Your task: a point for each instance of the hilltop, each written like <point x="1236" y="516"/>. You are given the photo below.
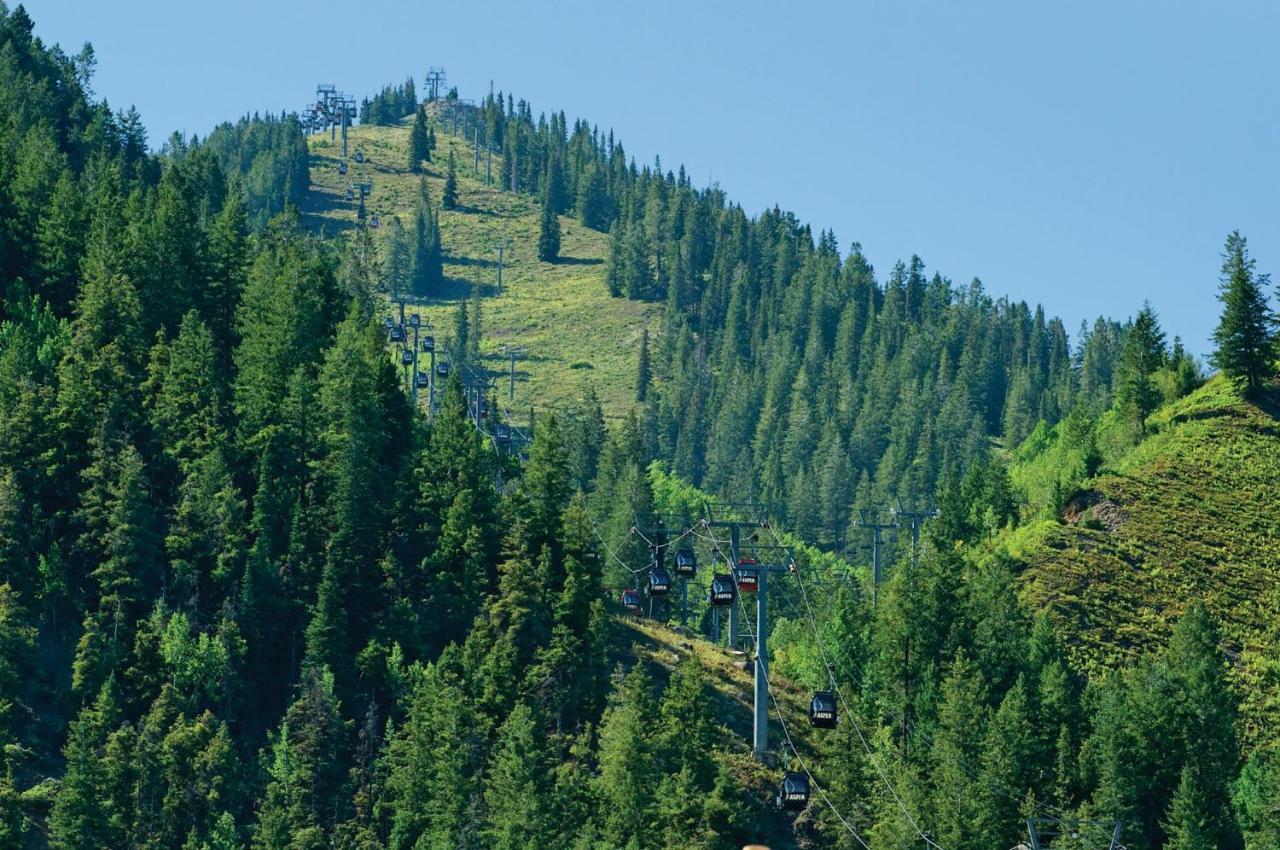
<point x="538" y="302"/>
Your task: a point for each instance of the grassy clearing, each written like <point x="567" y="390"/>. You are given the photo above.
<point x="573" y="332"/>
<point x="1192" y="512"/>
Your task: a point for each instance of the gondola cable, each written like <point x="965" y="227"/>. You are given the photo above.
<point x="777" y="708"/>
<point x="813" y="624"/>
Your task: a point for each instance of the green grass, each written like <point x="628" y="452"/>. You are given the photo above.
<point x="573" y="332"/>
<point x="1192" y="512"/>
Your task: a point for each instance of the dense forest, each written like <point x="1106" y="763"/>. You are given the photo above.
<point x="251" y="597"/>
<point x="792" y="375"/>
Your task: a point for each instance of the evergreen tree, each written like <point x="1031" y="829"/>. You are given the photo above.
<point x="516" y="794"/>
<point x="627" y="780"/>
<point x="1245" y="338"/>
<point x="428" y="262"/>
<point x="398" y="263"/>
<point x="419" y="142"/>
<point x="434" y="764"/>
<point x="1189" y="824"/>
<point x="593" y="199"/>
<point x="450" y="198"/>
<point x="304" y="798"/>
<point x="548" y="234"/>
<point x="642" y="370"/>
<point x="79" y="819"/>
<point x="1143" y="354"/>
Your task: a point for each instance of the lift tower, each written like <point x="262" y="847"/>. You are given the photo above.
<point x="434" y="79"/>
<point x="501" y="246"/>
<point x="869" y="518"/>
<point x="769" y="559"/>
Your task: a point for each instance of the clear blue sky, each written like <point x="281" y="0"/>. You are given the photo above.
<point x="1084" y="155"/>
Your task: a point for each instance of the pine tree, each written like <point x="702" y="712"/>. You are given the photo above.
<point x="79" y="820"/>
<point x="398" y="263"/>
<point x="615" y="261"/>
<point x="304" y="798"/>
<point x="548" y="234"/>
<point x="1245" y="338"/>
<point x="228" y="274"/>
<point x="1144" y="352"/>
<point x="517" y="797"/>
<point x="428" y="261"/>
<point x="1188" y="825"/>
<point x="419" y="142"/>
<point x="450" y="198"/>
<point x="435" y="762"/>
<point x="642" y="370"/>
<point x="593" y="198"/>
<point x="627" y="780"/>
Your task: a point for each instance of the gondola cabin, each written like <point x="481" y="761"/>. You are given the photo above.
<point x="822" y="710"/>
<point x="722" y="590"/>
<point x="388" y="323"/>
<point x="442" y="369"/>
<point x="351" y="194"/>
<point x="397" y="333"/>
<point x="428" y="343"/>
<point x="631" y="599"/>
<point x="420" y="380"/>
<point x="373" y="221"/>
<point x="406" y="357"/>
<point x="747" y="575"/>
<point x="342" y="168"/>
<point x="794" y="793"/>
<point x="484" y="408"/>
<point x="659" y="582"/>
<point x="359" y="156"/>
<point x="415" y="321"/>
<point x="502" y="433"/>
<point x="686" y="563"/>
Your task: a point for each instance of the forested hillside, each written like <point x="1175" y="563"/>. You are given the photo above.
<point x="256" y="594"/>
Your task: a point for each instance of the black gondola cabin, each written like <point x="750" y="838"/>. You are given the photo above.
<point x="794" y="793"/>
<point x="822" y="710"/>
<point x="659" y="582"/>
<point x="686" y="563"/>
<point x="359" y="156"/>
<point x="406" y="357"/>
<point x="415" y="320"/>
<point x="442" y="369"/>
<point x="502" y="433"/>
<point x="631" y="599"/>
<point x="397" y="333"/>
<point x="342" y="168"/>
<point x="420" y="380"/>
<point x="428" y="343"/>
<point x="722" y="590"/>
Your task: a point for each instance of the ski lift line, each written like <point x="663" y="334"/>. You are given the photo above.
<point x="600" y="539"/>
<point x="782" y="721"/>
<point x="635" y="529"/>
<point x="857" y="726"/>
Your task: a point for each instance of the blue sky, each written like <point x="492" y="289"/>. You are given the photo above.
<point x="1083" y="155"/>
